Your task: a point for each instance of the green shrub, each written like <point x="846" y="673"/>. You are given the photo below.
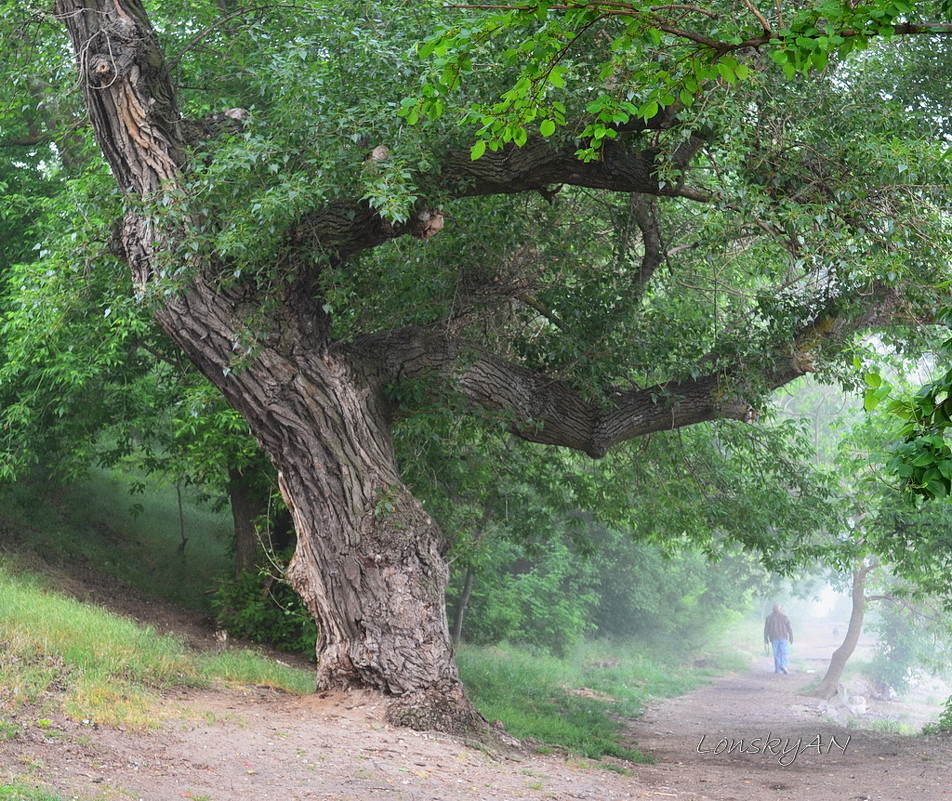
<point x="944" y="723"/>
<point x="261" y="609"/>
<point x="543" y="599"/>
<point x="906" y="647"/>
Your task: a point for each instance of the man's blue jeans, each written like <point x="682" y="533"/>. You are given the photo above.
<point x="781" y="651"/>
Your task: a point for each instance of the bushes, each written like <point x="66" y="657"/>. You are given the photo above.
<point x="912" y="641"/>
<point x="655" y="597"/>
<point x="944" y="723"/>
<point x="259" y="608"/>
<point x="551" y="596"/>
<point x="544" y="600"/>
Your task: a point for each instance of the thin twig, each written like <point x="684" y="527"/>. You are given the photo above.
<point x="760" y="17"/>
<point x="193" y="42"/>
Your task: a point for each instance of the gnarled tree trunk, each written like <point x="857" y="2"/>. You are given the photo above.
<point x="368" y="562"/>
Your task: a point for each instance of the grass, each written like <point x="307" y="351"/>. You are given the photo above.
<point x="93" y="523"/>
<point x="889" y="726"/>
<point x="17" y="790"/>
<point x="60" y="655"/>
<point x="579" y="703"/>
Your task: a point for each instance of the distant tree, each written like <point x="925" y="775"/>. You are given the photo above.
<point x="896" y="546"/>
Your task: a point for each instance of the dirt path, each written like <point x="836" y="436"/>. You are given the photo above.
<point x="223" y="746"/>
<point x="253" y="743"/>
<point x="226" y="745"/>
<point x="752" y="736"/>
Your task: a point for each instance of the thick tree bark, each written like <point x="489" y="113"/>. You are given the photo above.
<point x="368" y="563"/>
<point x="827" y="688"/>
<point x="559" y="413"/>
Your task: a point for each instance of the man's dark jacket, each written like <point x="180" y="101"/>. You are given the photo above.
<point x="778" y="627"/>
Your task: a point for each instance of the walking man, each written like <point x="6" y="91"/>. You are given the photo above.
<point x="779" y="633"/>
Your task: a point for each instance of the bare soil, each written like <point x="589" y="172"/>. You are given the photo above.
<point x="257" y="743"/>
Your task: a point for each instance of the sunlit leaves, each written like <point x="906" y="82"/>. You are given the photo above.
<point x="876" y="390"/>
<point x="631" y="59"/>
<point x="922" y="461"/>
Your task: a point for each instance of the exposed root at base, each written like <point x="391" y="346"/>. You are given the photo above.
<point x="448" y="710"/>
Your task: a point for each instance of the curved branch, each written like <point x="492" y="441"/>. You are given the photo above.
<point x="340" y="230"/>
<point x="540" y="163"/>
<point x="553" y="412"/>
<point x="549" y="411"/>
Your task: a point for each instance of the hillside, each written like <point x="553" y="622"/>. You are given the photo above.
<point x="230" y="738"/>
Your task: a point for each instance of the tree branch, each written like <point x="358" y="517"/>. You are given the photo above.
<point x="340" y="230"/>
<point x="644" y="212"/>
<point x="540" y="163"/>
<point x="553" y="412"/>
<point x="549" y="411"/>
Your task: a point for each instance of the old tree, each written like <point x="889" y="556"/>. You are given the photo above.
<point x="590" y="221"/>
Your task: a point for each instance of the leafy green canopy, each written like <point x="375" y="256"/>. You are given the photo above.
<point x="85" y="377"/>
<point x="553" y="545"/>
<point x="707" y="488"/>
<point x="645" y="59"/>
<point x="819" y="189"/>
<point x="805" y="195"/>
<point x="922" y="459"/>
<point x="890" y="526"/>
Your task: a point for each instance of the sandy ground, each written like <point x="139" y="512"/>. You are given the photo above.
<point x="254" y="743"/>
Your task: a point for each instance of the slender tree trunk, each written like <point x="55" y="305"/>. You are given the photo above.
<point x="247" y="506"/>
<point x="183" y="540"/>
<point x="461" y="606"/>
<point x="827" y="688"/>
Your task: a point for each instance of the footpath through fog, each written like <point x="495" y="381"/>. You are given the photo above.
<point x="752" y="736"/>
<point x="254" y="743"/>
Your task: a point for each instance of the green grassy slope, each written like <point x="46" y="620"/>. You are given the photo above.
<point x="93" y="524"/>
<point x="67" y="657"/>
